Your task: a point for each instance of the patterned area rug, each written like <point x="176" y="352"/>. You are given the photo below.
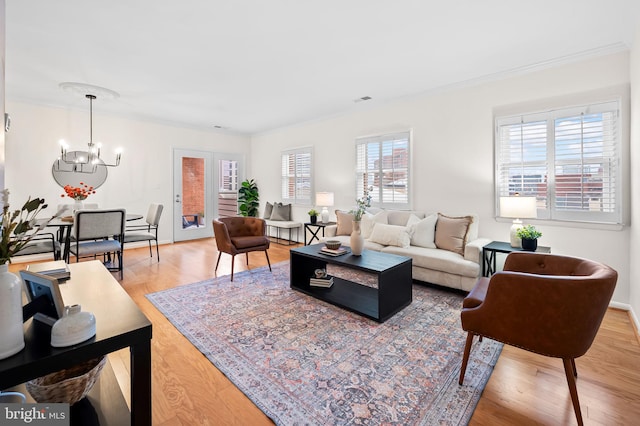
<point x="303" y="361"/>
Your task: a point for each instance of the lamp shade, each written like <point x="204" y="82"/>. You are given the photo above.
<point x="518" y="207"/>
<point x="324" y="199"/>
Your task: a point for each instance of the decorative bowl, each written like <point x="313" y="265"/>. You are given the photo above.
<point x="333" y="244"/>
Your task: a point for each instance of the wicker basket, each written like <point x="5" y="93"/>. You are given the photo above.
<point x="70" y="385"/>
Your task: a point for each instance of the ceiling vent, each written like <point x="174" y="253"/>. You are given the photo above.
<point x="364" y="98"/>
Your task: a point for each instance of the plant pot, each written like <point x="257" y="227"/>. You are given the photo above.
<point x="313" y="219"/>
<point x="529" y="245"/>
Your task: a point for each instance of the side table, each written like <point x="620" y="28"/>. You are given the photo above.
<point x="489" y="255"/>
<point x="314" y="233"/>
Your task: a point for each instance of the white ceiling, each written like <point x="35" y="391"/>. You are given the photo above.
<point x="255" y="65"/>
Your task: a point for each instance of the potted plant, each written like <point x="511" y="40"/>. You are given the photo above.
<point x="529" y="236"/>
<point x="248" y="199"/>
<point x="313" y="215"/>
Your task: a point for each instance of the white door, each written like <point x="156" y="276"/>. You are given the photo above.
<point x="193" y="191"/>
<point x="228" y="172"/>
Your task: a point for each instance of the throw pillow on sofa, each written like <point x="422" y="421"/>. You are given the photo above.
<point x="344" y="223"/>
<point x="369" y="220"/>
<point x="268" y="209"/>
<point x="451" y="232"/>
<point x="423" y="233"/>
<point x="390" y="235"/>
<point x="281" y="212"/>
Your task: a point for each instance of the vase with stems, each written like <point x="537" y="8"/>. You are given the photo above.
<point x="11" y="333"/>
<point x="356" y="240"/>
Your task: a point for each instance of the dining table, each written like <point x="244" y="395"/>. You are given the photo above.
<point x="64" y="225"/>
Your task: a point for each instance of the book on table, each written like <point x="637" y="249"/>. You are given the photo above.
<point x="332" y="252"/>
<point x="321" y="282"/>
<point x="57" y="269"/>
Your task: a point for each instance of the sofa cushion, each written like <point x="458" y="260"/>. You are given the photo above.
<point x="369" y="220"/>
<point x="451" y="232"/>
<point x="344" y="221"/>
<point x="437" y="260"/>
<point x="400" y="217"/>
<point x="281" y="212"/>
<point x="268" y="209"/>
<point x="423" y="233"/>
<point x="390" y="235"/>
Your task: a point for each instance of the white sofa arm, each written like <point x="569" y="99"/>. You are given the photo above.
<point x="473" y="250"/>
<point x="330" y="231"/>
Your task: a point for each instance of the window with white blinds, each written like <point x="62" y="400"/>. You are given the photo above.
<point x="382" y="163"/>
<point x="297" y="176"/>
<point x="569" y="159"/>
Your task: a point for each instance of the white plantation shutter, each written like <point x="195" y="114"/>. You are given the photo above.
<point x="382" y="162"/>
<point x="568" y="159"/>
<point x="297" y="176"/>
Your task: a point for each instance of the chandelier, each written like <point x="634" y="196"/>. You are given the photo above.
<point x="84" y="161"/>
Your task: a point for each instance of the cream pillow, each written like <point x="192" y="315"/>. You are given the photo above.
<point x="451" y="232"/>
<point x="344" y="221"/>
<point x="390" y="235"/>
<point x="423" y="233"/>
<point x="369" y="220"/>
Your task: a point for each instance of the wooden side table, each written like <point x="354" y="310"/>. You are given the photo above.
<point x="314" y="233"/>
<point x="489" y="255"/>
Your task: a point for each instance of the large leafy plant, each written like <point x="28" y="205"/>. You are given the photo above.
<point x="248" y="198"/>
<point x="18" y="227"/>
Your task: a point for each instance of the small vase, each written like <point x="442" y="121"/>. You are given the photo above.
<point x="313" y="219"/>
<point x="11" y="333"/>
<point x="78" y="205"/>
<point x="356" y="240"/>
<point x="529" y="245"/>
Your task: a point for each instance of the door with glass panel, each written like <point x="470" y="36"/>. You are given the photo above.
<point x="227" y="174"/>
<point x="193" y="190"/>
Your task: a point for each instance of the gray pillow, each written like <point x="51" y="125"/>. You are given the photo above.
<point x="267" y="210"/>
<point x="281" y="212"/>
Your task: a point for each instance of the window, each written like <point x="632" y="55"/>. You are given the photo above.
<point x="568" y="158"/>
<point x="296" y="176"/>
<point x="382" y="163"/>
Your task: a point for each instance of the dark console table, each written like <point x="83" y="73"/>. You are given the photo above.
<point x="392" y="293"/>
<point x="489" y="255"/>
<point x="119" y="324"/>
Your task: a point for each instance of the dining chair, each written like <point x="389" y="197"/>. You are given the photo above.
<point x="99" y="232"/>
<point x="43" y="242"/>
<point x="148" y="232"/>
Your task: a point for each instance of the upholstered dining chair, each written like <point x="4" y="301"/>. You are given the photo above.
<point x="240" y="234"/>
<point x="148" y="232"/>
<point x="543" y="303"/>
<point x="43" y="242"/>
<point x="99" y="232"/>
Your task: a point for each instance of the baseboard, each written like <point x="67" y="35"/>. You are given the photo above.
<point x="632" y="315"/>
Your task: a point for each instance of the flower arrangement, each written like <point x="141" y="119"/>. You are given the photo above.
<point x="363" y="203"/>
<point x="78" y="193"/>
<point x="15" y="225"/>
<point x="313" y="212"/>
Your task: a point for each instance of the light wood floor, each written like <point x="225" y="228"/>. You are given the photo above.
<point x="524" y="389"/>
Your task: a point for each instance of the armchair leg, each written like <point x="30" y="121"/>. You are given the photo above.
<point x="569" y="365"/>
<point x="269" y="262"/>
<point x="575" y="370"/>
<point x="233" y="258"/>
<point x="218" y="262"/>
<point x="247" y="255"/>
<point x="465" y="357"/>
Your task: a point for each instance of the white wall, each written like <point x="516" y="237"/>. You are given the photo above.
<point x="144" y="176"/>
<point x="634" y="247"/>
<point x="453" y="162"/>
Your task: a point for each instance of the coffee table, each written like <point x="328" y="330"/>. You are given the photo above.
<point x="393" y="273"/>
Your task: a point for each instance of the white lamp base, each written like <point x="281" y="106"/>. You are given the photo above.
<point x="325" y="215"/>
<point x="515" y="241"/>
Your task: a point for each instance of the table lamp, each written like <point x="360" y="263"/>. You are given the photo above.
<point x="517" y="207"/>
<point x="324" y="200"/>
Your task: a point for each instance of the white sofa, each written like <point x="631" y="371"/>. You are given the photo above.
<point x="432" y="263"/>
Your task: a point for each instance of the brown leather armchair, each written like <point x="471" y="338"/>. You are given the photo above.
<point x="547" y="304"/>
<point x="240" y="235"/>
